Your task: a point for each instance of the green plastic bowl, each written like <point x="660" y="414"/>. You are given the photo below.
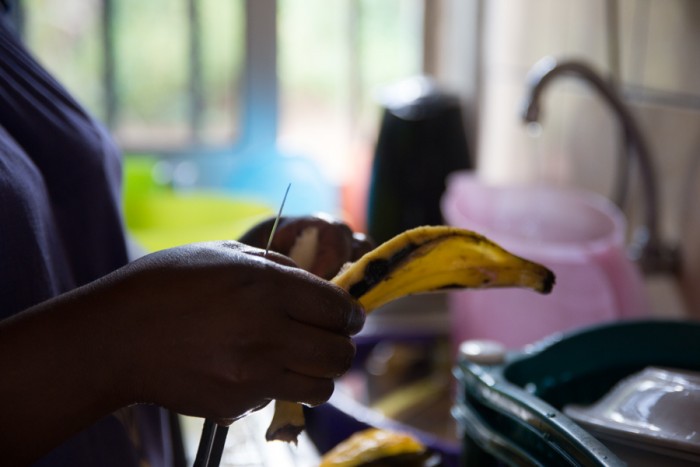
<point x="165" y="220"/>
<point x="158" y="217"/>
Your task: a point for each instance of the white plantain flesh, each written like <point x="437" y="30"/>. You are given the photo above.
<point x="424" y="259"/>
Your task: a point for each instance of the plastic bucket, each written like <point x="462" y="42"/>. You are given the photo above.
<point x="578" y="234"/>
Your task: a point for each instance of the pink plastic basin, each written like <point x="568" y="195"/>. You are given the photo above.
<point x="578" y="234"/>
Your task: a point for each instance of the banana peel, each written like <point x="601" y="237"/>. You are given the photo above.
<point x="372" y="445"/>
<point x="423" y="259"/>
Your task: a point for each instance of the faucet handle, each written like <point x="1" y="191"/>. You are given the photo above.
<point x="653" y="257"/>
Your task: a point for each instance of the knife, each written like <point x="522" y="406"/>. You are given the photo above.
<point x="213" y="438"/>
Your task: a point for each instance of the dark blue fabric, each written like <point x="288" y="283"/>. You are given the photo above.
<point x="71" y="169"/>
<point x="60" y="227"/>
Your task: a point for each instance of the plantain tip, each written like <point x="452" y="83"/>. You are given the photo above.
<point x="288" y="433"/>
<point x="548" y="281"/>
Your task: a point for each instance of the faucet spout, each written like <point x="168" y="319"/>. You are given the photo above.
<point x="646" y="247"/>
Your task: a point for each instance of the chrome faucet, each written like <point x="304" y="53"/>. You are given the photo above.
<point x="646" y="246"/>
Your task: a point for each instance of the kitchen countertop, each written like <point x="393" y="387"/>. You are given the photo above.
<point x="246" y="445"/>
<point x="665" y="297"/>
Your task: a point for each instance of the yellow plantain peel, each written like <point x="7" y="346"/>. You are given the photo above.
<point x="373" y="445"/>
<point x="424" y="259"/>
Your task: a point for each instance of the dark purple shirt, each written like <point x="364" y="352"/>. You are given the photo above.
<point x="60" y="227"/>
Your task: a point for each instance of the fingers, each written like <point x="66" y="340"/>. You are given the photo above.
<point x="226" y="421"/>
<point x="308" y="390"/>
<point x="333" y="250"/>
<point x="305" y="297"/>
<point x="332" y="235"/>
<point x="287" y="231"/>
<point x="224" y="320"/>
<point x="361" y="244"/>
<point x="272" y="256"/>
<point x="258" y="235"/>
<point x="317" y="353"/>
<point x="320" y="303"/>
<point x="335" y="242"/>
<point x="312" y="358"/>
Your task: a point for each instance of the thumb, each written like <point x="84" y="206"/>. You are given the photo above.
<point x="225" y="422"/>
<point x="272" y="256"/>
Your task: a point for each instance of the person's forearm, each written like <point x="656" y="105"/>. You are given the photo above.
<point x="57" y="376"/>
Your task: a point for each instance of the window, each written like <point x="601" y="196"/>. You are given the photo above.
<point x="332" y="63"/>
<point x="163" y="74"/>
<point x="168" y="76"/>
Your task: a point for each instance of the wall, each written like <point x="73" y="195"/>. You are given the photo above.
<point x="652" y="49"/>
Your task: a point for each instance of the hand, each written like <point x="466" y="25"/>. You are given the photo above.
<point x="213" y="330"/>
<point x="336" y="242"/>
<point x="218" y="330"/>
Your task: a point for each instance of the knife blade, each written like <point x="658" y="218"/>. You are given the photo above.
<point x="277" y="220"/>
<point x="213" y="439"/>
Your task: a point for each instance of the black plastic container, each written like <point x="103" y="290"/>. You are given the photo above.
<point x="421" y="140"/>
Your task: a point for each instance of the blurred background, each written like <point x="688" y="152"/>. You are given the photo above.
<point x="168" y="77"/>
<point x="227" y="102"/>
<point x="242" y="97"/>
<point x="219" y="104"/>
<point x="202" y="81"/>
<point x="367" y="106"/>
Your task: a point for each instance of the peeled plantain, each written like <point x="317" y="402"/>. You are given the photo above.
<point x="424" y="259"/>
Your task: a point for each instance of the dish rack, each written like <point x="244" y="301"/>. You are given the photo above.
<point x="512" y="412"/>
